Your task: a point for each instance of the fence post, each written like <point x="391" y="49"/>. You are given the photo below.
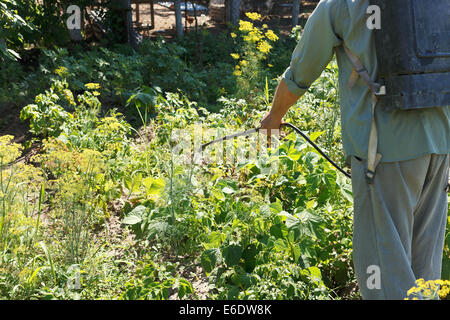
<point x="178" y="19"/>
<point x="295" y="12"/>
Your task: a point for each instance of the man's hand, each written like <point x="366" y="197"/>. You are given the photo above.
<point x="270" y="122"/>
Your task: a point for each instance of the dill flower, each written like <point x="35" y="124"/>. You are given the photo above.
<point x="92" y="86"/>
<point x="264" y="47"/>
<point x="61" y="71"/>
<point x="237" y="72"/>
<point x="271" y="35"/>
<point x="245" y="26"/>
<point x="69" y="96"/>
<point x="254" y="36"/>
<point x="253" y="15"/>
<point x="9" y="151"/>
<point x="431" y="289"/>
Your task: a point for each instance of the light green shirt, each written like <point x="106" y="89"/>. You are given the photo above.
<point x="402" y="135"/>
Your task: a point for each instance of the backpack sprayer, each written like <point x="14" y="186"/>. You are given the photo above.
<point x="297" y="130"/>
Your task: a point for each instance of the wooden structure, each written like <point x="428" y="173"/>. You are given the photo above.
<point x="137" y="23"/>
<point x="217" y="8"/>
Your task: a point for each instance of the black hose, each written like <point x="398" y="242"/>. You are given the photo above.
<point x="316" y="147"/>
<point x="297" y="130"/>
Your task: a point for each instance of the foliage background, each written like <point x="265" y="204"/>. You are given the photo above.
<point x="105" y="209"/>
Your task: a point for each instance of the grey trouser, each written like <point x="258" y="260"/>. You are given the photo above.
<point x="399" y="224"/>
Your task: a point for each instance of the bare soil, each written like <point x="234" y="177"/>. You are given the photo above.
<point x="165" y="20"/>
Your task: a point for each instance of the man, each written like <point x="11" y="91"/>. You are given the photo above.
<point x="400" y="216"/>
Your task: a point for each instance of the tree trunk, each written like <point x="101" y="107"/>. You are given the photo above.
<point x="228" y="6"/>
<point x="235" y="11"/>
<point x="129" y="24"/>
<point x="295" y="12"/>
<point x="178" y="19"/>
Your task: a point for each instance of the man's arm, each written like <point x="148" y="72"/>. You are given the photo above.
<point x="282" y="101"/>
<point x="313" y="52"/>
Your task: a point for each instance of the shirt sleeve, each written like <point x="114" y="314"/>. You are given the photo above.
<point x="314" y="50"/>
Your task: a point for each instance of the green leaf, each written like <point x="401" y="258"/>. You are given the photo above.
<point x="218" y="194"/>
<point x="314" y="135"/>
<point x="294" y="154"/>
<point x="131" y="220"/>
<point x="249" y="256"/>
<point x="153" y="186"/>
<point x="346" y="191"/>
<point x="280" y="245"/>
<point x="184" y="288"/>
<point x="214" y="240"/>
<point x="135" y="215"/>
<point x="157" y="227"/>
<point x="209" y="259"/>
<point x="232" y="254"/>
<point x="276" y="207"/>
<point x="228" y="190"/>
<point x="315" y="274"/>
<point x="291" y="136"/>
<point x="279" y="231"/>
<point x="133" y="184"/>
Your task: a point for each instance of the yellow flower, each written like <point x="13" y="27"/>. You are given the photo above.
<point x="412" y="291"/>
<point x="427" y="292"/>
<point x="270" y="65"/>
<point x="271" y="35"/>
<point x="233" y="35"/>
<point x="420" y="281"/>
<point x="264" y="46"/>
<point x="9" y="151"/>
<point x="235" y="56"/>
<point x="237" y="72"/>
<point x="265" y="26"/>
<point x="254" y="36"/>
<point x="61" y="71"/>
<point x="243" y="63"/>
<point x="245" y="26"/>
<point x="69" y="96"/>
<point x="92" y="86"/>
<point x="444" y="292"/>
<point x="253" y="15"/>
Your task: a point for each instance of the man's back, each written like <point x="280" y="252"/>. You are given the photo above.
<point x="402" y="135"/>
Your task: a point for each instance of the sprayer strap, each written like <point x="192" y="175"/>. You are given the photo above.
<point x="373" y="157"/>
<point x="361" y="71"/>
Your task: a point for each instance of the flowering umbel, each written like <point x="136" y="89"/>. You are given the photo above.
<point x="258" y="43"/>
